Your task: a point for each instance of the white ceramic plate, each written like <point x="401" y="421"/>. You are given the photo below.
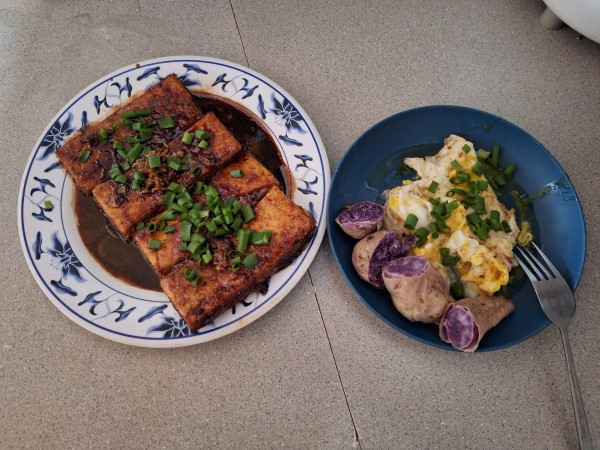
<point x="67" y="272"/>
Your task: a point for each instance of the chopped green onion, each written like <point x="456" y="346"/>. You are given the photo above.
<point x="201" y="134"/>
<point x="247" y="213"/>
<point x="444" y="251"/>
<point x="422" y="233"/>
<point x="176" y="187"/>
<point x="434" y="230"/>
<point x="187" y="138"/>
<point x="186" y="231"/>
<point x="480" y="205"/>
<point x="196" y="170"/>
<point x="486" y="127"/>
<point x="134" y="152"/>
<point x="482" y="154"/>
<point x="500" y="180"/>
<point x="509" y="170"/>
<point x="154" y="161"/>
<point x="203" y="144"/>
<point x="478" y="168"/>
<point x="250" y="261"/>
<point x="457" y="289"/>
<point x="482" y="232"/>
<point x="260" y="237"/>
<point x="411" y="222"/>
<point x="169" y="229"/>
<point x="117" y="145"/>
<point x="207" y="257"/>
<point x="146" y="134"/>
<point x="495" y="156"/>
<point x="169" y="214"/>
<point x="166" y="122"/>
<point x="243" y="239"/>
<point x="154" y="244"/>
<point x="103" y="135"/>
<point x="48" y="205"/>
<point x="136" y="113"/>
<point x="506" y="227"/>
<point x="84" y="155"/>
<point x="121" y="179"/>
<point x="451" y="206"/>
<point x="191" y="275"/>
<point x="466" y="148"/>
<point x="433" y="187"/>
<point x="456" y="165"/>
<point x="473" y="219"/>
<point x="168" y="198"/>
<point x="434" y="201"/>
<point x="173" y="162"/>
<point x="238" y="173"/>
<point x="450" y="260"/>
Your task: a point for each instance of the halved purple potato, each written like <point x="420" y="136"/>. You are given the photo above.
<point x="360" y="219"/>
<point x="374" y="251"/>
<point x="465" y="322"/>
<point x="419" y="292"/>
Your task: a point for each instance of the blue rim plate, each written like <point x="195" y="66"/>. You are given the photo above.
<point x="69" y="275"/>
<point x="369" y="167"/>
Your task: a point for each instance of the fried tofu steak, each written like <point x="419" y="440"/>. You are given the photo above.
<point x="200" y="295"/>
<point x="166" y="108"/>
<point x="197" y="153"/>
<point x="253" y="182"/>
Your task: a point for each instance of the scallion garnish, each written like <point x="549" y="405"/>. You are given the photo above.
<point x="84" y="155"/>
<point x="136" y="113"/>
<point x="411" y="222"/>
<point x="250" y="261"/>
<point x="449" y="260"/>
<point x="495" y="156"/>
<point x="187" y="138"/>
<point x="48" y="206"/>
<point x="154" y="161"/>
<point x="154" y="244"/>
<point x="466" y="148"/>
<point x="247" y="213"/>
<point x="433" y="187"/>
<point x="237" y="173"/>
<point x="203" y="144"/>
<point x="166" y="122"/>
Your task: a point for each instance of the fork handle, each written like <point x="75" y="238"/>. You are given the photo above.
<point x="583" y="432"/>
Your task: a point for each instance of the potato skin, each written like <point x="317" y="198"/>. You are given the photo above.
<point x="363" y="252"/>
<point x="420" y="295"/>
<point x="360" y="219"/>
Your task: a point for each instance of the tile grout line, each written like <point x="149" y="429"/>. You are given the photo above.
<point x="239" y="33"/>
<point x="356" y="435"/>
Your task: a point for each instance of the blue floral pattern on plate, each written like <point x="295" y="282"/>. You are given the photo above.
<point x="61" y="264"/>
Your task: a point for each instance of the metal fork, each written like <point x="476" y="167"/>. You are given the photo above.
<point x="558" y="303"/>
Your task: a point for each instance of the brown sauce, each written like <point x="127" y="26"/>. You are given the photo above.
<point x="122" y="259"/>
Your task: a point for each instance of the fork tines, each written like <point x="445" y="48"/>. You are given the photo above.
<point x="533" y="267"/>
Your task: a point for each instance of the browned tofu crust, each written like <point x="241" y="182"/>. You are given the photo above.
<point x="126" y="208"/>
<point x="168" y="255"/>
<point x="249" y="189"/>
<point x="291" y="229"/>
<point x="222" y="147"/>
<point x="167" y="98"/>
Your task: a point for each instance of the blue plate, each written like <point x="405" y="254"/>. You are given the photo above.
<point x="369" y="167"/>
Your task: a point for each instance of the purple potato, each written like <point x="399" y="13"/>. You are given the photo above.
<point x="419" y="292"/>
<point x="360" y="219"/>
<point x="465" y="322"/>
<point x="374" y="251"/>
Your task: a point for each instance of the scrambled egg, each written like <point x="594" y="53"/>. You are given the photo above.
<point x="482" y="263"/>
